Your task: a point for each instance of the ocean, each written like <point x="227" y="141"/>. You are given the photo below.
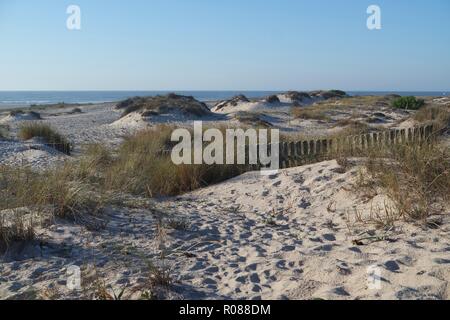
<point x="18" y="99"/>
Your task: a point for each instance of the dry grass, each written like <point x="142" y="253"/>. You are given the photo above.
<point x="48" y="134"/>
<point x="252" y="119"/>
<point x="310" y="113"/>
<point x="13" y="228"/>
<point x="438" y="114"/>
<point x="46" y="195"/>
<point x="142" y="168"/>
<point x="351" y="127"/>
<point x="415" y="177"/>
<point x="3" y="132"/>
<point x="324" y="110"/>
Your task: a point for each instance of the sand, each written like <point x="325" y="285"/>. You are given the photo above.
<point x="287" y="236"/>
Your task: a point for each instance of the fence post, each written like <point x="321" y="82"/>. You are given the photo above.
<point x="429" y="132"/>
<point x="410" y="135"/>
<point x="291" y="154"/>
<point x="305" y="148"/>
<point x="363" y="142"/>
<point x="403" y="136"/>
<point x="392" y="137"/>
<point x="324" y="146"/>
<point x="369" y="138"/>
<point x="312" y="149"/>
<point x="422" y="133"/>
<point x="286" y="154"/>
<point x="376" y="139"/>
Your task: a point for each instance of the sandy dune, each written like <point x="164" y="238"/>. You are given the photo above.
<point x="286" y="236"/>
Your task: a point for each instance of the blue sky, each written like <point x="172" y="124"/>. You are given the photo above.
<point x="225" y="45"/>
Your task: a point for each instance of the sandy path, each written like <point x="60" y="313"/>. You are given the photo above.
<point x="279" y="237"/>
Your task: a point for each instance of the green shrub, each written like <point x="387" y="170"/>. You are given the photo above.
<point x="408" y="103"/>
<point x="49" y="135"/>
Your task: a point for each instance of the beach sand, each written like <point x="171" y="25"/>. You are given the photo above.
<point x="292" y="235"/>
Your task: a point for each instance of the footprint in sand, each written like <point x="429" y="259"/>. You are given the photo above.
<point x="281" y="264"/>
<point x="288" y="248"/>
<point x="343" y="268"/>
<point x="304" y="204"/>
<point x="212" y="270"/>
<point x="254" y="278"/>
<point x="251" y="267"/>
<point x="276" y="184"/>
<point x="441" y="261"/>
<point x="242" y="279"/>
<point x="329" y="237"/>
<point x="326" y="248"/>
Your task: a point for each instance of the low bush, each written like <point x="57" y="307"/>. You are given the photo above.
<point x="408" y="103"/>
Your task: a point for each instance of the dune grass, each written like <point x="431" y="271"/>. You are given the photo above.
<point x="50" y="136"/>
<point x="54" y="193"/>
<point x="3" y="132"/>
<point x="437" y="114"/>
<point x="252" y="119"/>
<point x="142" y="168"/>
<point x="310" y="113"/>
<point x="415" y="177"/>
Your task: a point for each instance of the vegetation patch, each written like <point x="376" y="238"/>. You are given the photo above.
<point x="3" y="132"/>
<point x="170" y="103"/>
<point x="310" y="113"/>
<point x="438" y="114"/>
<point x="408" y="103"/>
<point x="416" y="179"/>
<point x="49" y="135"/>
<point x="58" y="192"/>
<point x="252" y="119"/>
<point x="143" y="167"/>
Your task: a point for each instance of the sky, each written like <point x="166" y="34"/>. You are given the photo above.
<point x="225" y="45"/>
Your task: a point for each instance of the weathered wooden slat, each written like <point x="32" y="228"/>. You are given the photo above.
<point x="402" y="136"/>
<point x="312" y="148"/>
<point x="305" y="148"/>
<point x="300" y="152"/>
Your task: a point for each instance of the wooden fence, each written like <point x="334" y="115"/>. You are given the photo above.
<point x="297" y="153"/>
